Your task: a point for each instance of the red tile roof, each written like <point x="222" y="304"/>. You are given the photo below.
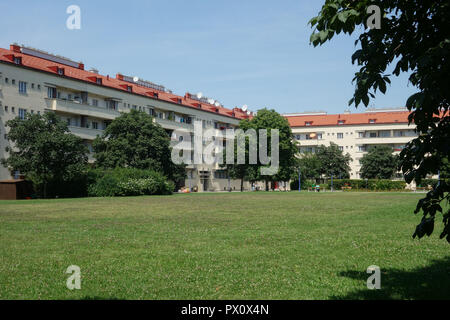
<point x="115" y="83"/>
<point x="387" y="117"/>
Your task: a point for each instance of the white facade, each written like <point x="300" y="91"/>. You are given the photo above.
<point x="89" y="107"/>
<point x="352" y="138"/>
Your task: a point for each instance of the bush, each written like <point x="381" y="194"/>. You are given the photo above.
<point x="428" y="182"/>
<point x="371" y="184"/>
<point x="127" y="182"/>
<point x="305" y="184"/>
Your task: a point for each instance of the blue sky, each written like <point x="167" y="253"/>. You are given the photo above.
<point x="238" y="52"/>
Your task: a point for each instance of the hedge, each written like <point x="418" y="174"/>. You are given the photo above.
<point x="127" y="182"/>
<point x="371" y="184"/>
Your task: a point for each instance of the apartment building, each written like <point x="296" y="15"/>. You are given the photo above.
<point x="34" y="81"/>
<point x="353" y="133"/>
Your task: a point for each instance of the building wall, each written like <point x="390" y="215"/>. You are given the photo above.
<point x="87" y="119"/>
<point x="355" y="139"/>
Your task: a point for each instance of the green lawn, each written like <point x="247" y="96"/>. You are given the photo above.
<point x="221" y="246"/>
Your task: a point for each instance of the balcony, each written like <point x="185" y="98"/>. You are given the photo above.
<point x="385" y="140"/>
<point x="72" y="107"/>
<point x="85" y="133"/>
<point x="173" y="125"/>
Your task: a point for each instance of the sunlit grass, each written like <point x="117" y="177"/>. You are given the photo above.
<point x="220" y="246"/>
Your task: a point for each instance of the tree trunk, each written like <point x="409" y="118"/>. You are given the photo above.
<point x="242" y="184"/>
<point x="45" y="190"/>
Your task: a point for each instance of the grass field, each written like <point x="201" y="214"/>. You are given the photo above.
<point x="221" y="246"/>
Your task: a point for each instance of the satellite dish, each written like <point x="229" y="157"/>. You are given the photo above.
<point x="199" y="95"/>
<point x="249" y="113"/>
<point x="211" y="101"/>
<point x="135" y="79"/>
<point x="217" y="104"/>
<point x="244" y="108"/>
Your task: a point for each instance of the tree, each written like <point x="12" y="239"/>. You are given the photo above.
<point x="134" y="140"/>
<point x="378" y="163"/>
<point x="270" y="119"/>
<point x="241" y="171"/>
<point x="264" y="120"/>
<point x="309" y="166"/>
<point x="45" y="151"/>
<point x="414" y="37"/>
<point x="333" y="162"/>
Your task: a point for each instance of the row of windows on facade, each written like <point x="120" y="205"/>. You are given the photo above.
<point x="374" y="134"/>
<point x="53" y="93"/>
<point x="360" y="148"/>
<point x="340" y="122"/>
<point x="23" y="85"/>
<point x="22" y="112"/>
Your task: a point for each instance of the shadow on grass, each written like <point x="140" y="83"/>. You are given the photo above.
<point x="430" y="282"/>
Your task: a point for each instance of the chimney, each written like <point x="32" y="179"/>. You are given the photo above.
<point x="15" y="48"/>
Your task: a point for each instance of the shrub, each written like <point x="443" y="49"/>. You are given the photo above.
<point x="428" y="182"/>
<point x="305" y="184"/>
<point x="371" y="184"/>
<point x="127" y="182"/>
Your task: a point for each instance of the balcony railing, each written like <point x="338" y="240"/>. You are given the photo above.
<point x="73" y="107"/>
<point x="173" y="125"/>
<point x="85" y="133"/>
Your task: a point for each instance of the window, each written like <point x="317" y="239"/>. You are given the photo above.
<point x="6" y="108"/>
<point x="69" y="122"/>
<point x="111" y="104"/>
<point x="361" y="134"/>
<point x="39" y="87"/>
<point x="341" y="121"/>
<point x="319" y="136"/>
<point x="22" y="113"/>
<point x="51" y="92"/>
<point x="95" y="125"/>
<point x="61" y="71"/>
<point x="13" y="109"/>
<point x="32" y="86"/>
<point x="341" y="148"/>
<point x="340" y="135"/>
<point x="17" y="60"/>
<point x="220" y="174"/>
<point x="95" y="102"/>
<point x="372" y="120"/>
<point x="6" y="80"/>
<point x="361" y="148"/>
<point x="385" y="134"/>
<point x="308" y="123"/>
<point x="22" y="87"/>
<point x="129" y="88"/>
<point x="98" y="80"/>
<point x="372" y="134"/>
<point x="13" y="81"/>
